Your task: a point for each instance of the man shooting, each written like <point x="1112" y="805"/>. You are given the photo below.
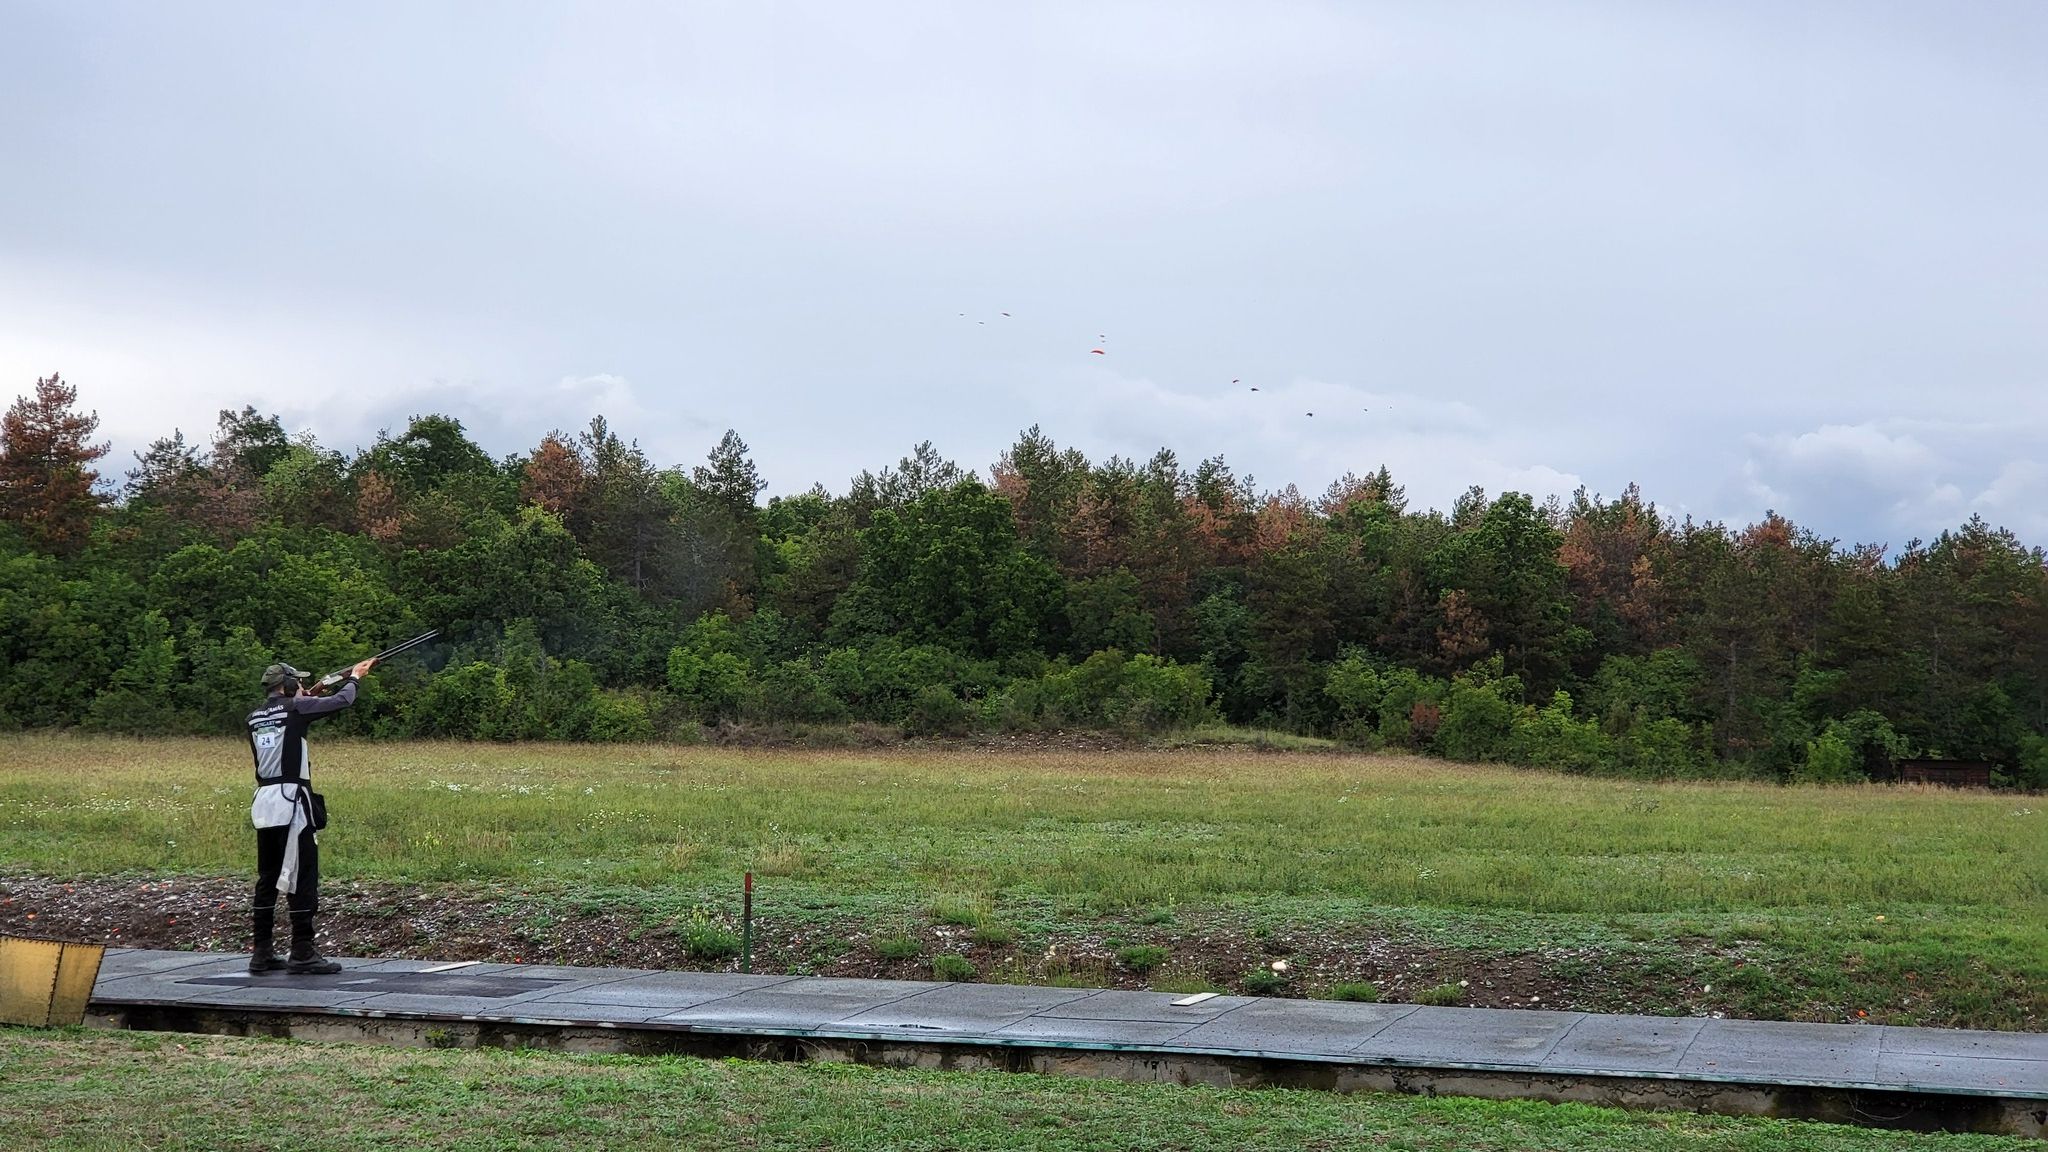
<point x="287" y="844"/>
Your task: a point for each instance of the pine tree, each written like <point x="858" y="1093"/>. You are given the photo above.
<point x="730" y="480"/>
<point x="629" y="528"/>
<point x="169" y="473"/>
<point x="46" y="479"/>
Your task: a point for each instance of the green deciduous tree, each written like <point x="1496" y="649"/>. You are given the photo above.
<point x="948" y="569"/>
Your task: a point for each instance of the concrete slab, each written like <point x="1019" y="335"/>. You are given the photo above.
<point x="1096" y="1033"/>
<point x="280" y="995"/>
<point x="1303" y="1027"/>
<point x="1506" y="1037"/>
<point x="143" y="990"/>
<point x="1114" y="1005"/>
<point x="409" y="965"/>
<point x="435" y="1004"/>
<point x="798" y="1005"/>
<point x="168" y="964"/>
<point x="2009" y="1069"/>
<point x="978" y="1009"/>
<point x="1785" y="1052"/>
<point x="568" y="973"/>
<point x="579" y="1012"/>
<point x="1959" y="1042"/>
<point x="1625" y="1044"/>
<point x="168" y="985"/>
<point x="122" y="962"/>
<point x="674" y="989"/>
<point x="668" y="991"/>
<point x="1964" y="1073"/>
<point x="482" y="986"/>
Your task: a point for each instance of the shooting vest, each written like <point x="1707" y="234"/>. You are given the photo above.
<point x="277" y="739"/>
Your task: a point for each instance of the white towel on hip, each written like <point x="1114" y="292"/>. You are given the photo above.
<point x="285" y="805"/>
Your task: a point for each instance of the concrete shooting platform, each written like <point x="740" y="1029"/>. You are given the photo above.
<point x="1917" y="1078"/>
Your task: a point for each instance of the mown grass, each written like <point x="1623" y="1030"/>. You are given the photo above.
<point x="1865" y="891"/>
<point x="1126" y="829"/>
<point x="87" y="1092"/>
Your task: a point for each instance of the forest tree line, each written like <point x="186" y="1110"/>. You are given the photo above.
<point x="586" y="593"/>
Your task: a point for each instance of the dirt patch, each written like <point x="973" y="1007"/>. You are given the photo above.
<point x="444" y="922"/>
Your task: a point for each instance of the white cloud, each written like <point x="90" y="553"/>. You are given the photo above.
<point x="152" y="363"/>
<point x="2020" y="486"/>
<point x="1436" y="447"/>
<point x="513" y="416"/>
<point x="1862" y="450"/>
<point x="1903" y="478"/>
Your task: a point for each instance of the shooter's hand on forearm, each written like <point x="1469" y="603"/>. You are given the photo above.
<point x="363" y="669"/>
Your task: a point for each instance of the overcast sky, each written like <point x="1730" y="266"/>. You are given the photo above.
<point x="1771" y="255"/>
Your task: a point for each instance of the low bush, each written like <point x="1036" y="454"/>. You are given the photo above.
<point x="936" y="711"/>
<point x="1141" y="958"/>
<point x="1829" y="760"/>
<point x="708" y="672"/>
<point x="898" y="946"/>
<point x="993" y="935"/>
<point x="794" y="692"/>
<point x="962" y="911"/>
<point x="1663" y="748"/>
<point x="950" y="967"/>
<point x="1261" y="981"/>
<point x="705" y="939"/>
<point x="1109" y="690"/>
<point x="1551" y="737"/>
<point x="1478" y="720"/>
<point x="618" y="717"/>
<point x="2033" y="766"/>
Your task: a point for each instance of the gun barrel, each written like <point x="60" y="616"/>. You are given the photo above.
<point x="409" y="645"/>
<point x="333" y="678"/>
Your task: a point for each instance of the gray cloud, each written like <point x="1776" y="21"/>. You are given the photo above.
<point x="1700" y="248"/>
<point x="1900" y="479"/>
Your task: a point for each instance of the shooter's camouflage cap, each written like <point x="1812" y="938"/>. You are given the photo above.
<point x="275" y="675"/>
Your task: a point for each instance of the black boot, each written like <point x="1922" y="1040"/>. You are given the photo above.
<point x="262" y="928"/>
<point x="304" y="960"/>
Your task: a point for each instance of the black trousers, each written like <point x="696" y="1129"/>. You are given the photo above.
<point x="270" y="844"/>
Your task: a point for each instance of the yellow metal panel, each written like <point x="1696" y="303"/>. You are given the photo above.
<point x="28" y="976"/>
<point x="76" y="972"/>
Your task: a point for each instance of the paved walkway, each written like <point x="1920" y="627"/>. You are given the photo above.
<point x="2007" y="1065"/>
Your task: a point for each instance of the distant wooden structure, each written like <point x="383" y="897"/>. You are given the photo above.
<point x="1947" y="773"/>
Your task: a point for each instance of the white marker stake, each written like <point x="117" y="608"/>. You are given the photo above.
<point x="1197" y="998"/>
<point x="451" y="967"/>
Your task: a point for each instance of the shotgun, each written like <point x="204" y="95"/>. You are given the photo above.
<point x="332" y="680"/>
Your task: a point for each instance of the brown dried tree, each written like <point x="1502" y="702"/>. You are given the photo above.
<point x="46" y="475"/>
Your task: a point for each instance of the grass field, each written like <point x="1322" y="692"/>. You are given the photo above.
<point x="1848" y="903"/>
<point x="82" y="1092"/>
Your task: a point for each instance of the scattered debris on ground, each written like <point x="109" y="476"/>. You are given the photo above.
<point x="1213" y="951"/>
